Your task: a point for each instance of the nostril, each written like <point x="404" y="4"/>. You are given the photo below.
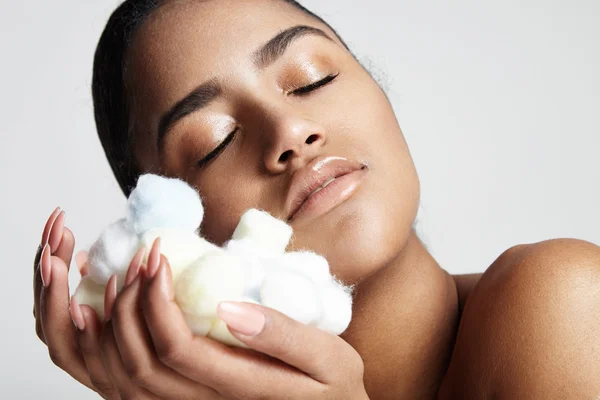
<point x="284" y="156"/>
<point x="311" y="139"/>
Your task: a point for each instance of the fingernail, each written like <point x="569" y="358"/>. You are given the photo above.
<point x="241" y="317"/>
<point x="134" y="267"/>
<point x="76" y="314"/>
<point x="48" y="228"/>
<point x="109" y="297"/>
<point x="56" y="232"/>
<point x="154" y="259"/>
<point x="45" y="266"/>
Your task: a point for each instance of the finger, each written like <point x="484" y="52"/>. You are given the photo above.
<point x="237" y="373"/>
<point x="56" y="323"/>
<point x="56" y="232"/>
<point x="64" y="251"/>
<point x="37" y="291"/>
<point x="126" y="388"/>
<point x="48" y="226"/>
<point x="311" y="350"/>
<point x="89" y="342"/>
<point x="137" y="352"/>
<point x="81" y="261"/>
<point x="110" y="295"/>
<point x="37" y="279"/>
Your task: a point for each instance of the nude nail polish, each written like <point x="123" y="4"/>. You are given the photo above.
<point x="76" y="314"/>
<point x="57" y="232"/>
<point x="47" y="232"/>
<point x="45" y="266"/>
<point x="135" y="266"/>
<point x="109" y="297"/>
<point x="241" y="317"/>
<point x="154" y="259"/>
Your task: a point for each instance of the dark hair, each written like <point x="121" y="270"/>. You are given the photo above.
<point x="111" y="108"/>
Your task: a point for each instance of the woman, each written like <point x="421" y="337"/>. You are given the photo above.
<point x="258" y="104"/>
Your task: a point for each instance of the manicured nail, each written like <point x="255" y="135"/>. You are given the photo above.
<point x="154" y="259"/>
<point x="46" y="266"/>
<point x="134" y="267"/>
<point x="48" y="226"/>
<point x="57" y="232"/>
<point x="109" y="297"/>
<point x="241" y="317"/>
<point x="76" y="314"/>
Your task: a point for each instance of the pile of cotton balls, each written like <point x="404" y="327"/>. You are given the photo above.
<point x="253" y="266"/>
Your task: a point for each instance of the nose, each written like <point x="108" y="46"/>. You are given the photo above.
<point x="293" y="141"/>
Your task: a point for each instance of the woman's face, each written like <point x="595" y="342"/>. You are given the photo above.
<point x="277" y="106"/>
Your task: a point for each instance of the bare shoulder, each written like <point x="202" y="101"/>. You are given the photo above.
<point x="531" y="326"/>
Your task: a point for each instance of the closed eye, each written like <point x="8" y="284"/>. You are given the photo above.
<point x="315" y="85"/>
<point x="213" y="154"/>
<point x="300" y="91"/>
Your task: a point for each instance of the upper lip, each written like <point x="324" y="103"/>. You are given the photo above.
<point x="312" y="176"/>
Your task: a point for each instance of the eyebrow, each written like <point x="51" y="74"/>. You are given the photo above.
<point x="208" y="91"/>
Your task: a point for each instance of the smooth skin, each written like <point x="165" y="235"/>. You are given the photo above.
<point x="526" y="328"/>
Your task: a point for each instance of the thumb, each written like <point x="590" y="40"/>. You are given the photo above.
<point x="311" y="350"/>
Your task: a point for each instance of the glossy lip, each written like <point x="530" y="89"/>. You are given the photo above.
<point x="306" y="180"/>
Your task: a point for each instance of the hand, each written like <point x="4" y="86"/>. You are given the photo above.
<point x="150" y="352"/>
<point x="51" y="299"/>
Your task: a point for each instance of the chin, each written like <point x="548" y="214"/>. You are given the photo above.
<point x="362" y="237"/>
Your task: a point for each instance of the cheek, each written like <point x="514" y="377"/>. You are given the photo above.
<point x="370" y="231"/>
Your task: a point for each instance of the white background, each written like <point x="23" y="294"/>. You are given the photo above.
<point x="499" y="102"/>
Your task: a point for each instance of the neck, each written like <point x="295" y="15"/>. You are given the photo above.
<point x="404" y="325"/>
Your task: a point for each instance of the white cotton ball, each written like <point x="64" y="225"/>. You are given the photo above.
<point x="254" y="263"/>
<point x="267" y="232"/>
<point x="221" y="333"/>
<point x="112" y="253"/>
<point x="291" y="294"/>
<point x="309" y="264"/>
<point x="215" y="277"/>
<point x="199" y="325"/>
<point x="91" y="293"/>
<point x="160" y="202"/>
<point x="180" y="247"/>
<point x="337" y="308"/>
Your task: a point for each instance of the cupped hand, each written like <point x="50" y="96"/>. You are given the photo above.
<point x="53" y="324"/>
<point x="150" y="352"/>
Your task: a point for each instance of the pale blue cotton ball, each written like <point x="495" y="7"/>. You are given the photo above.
<point x="160" y="202"/>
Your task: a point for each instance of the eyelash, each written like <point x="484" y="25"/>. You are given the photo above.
<point x="300" y="91"/>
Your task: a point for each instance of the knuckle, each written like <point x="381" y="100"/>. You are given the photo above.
<point x="103" y="386"/>
<point x="119" y="308"/>
<point x="57" y="358"/>
<point x="170" y="354"/>
<point x="139" y="373"/>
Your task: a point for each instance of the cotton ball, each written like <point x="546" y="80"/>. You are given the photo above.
<point x="160" y="202"/>
<point x="221" y="333"/>
<point x="254" y="263"/>
<point x="213" y="278"/>
<point x="292" y="294"/>
<point x="199" y="325"/>
<point x="91" y="293"/>
<point x="265" y="231"/>
<point x="180" y="247"/>
<point x="337" y="308"/>
<point x="309" y="264"/>
<point x="112" y="253"/>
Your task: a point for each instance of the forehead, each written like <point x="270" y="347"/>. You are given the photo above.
<point x="186" y="42"/>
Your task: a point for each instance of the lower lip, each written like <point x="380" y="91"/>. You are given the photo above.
<point x="329" y="197"/>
